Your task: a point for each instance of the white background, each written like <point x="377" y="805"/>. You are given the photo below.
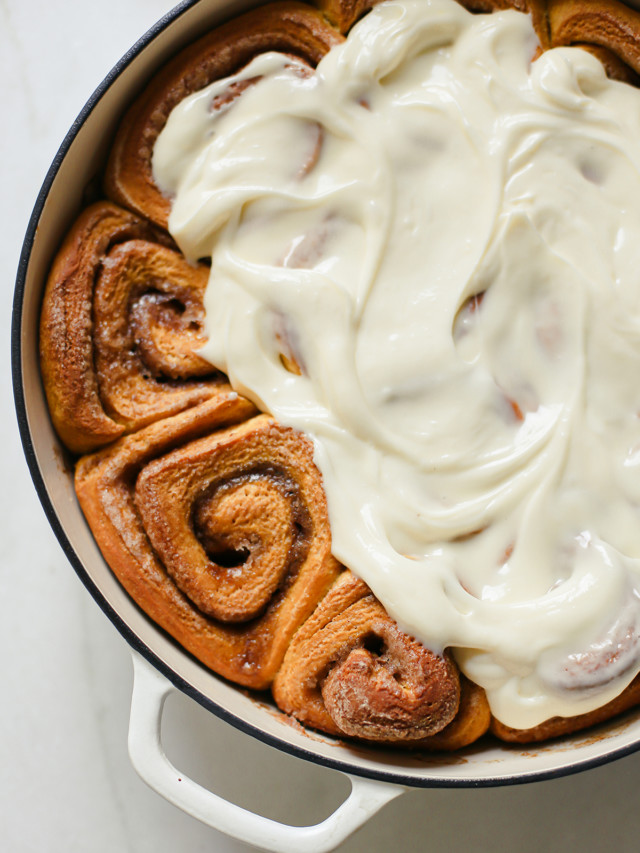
<point x="66" y="785"/>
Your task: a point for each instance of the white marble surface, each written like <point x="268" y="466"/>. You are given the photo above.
<point x="66" y="785"/>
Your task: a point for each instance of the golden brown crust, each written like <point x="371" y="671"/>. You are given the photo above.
<point x="121" y="318"/>
<point x="470" y="723"/>
<point x="606" y="24"/>
<point x="343" y="14"/>
<point x="66" y="344"/>
<point x="351" y="670"/>
<point x="559" y="726"/>
<point x="288" y="27"/>
<point x="171" y="539"/>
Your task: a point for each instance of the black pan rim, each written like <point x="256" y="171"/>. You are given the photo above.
<point x="340" y="765"/>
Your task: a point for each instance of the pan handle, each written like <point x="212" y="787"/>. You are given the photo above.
<point x="150" y="690"/>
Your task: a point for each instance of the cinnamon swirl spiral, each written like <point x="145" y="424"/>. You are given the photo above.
<point x="121" y="320"/>
<point x="351" y="671"/>
<point x="218" y="532"/>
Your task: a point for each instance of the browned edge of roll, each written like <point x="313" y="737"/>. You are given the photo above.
<point x="351" y="671"/>
<point x="121" y="319"/>
<point x="343" y="14"/>
<point x="607" y="27"/>
<point x="561" y="726"/>
<point x="289" y="27"/>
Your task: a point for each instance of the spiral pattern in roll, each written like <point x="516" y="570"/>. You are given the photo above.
<point x="219" y="532"/>
<point x="121" y="320"/>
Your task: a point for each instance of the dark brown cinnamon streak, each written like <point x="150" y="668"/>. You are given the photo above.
<point x="218" y="532"/>
<point x="121" y="319"/>
<point x="288" y="27"/>
<point x="608" y="28"/>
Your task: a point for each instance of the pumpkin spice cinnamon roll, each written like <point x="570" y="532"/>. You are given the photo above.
<point x="351" y="671"/>
<point x="218" y="532"/>
<point x="121" y="322"/>
<point x="609" y="29"/>
<point x="291" y="28"/>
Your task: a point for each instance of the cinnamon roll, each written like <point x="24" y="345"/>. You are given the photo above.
<point x="218" y="532"/>
<point x="351" y="670"/>
<point x="288" y="27"/>
<point x="607" y="28"/>
<point x="121" y="322"/>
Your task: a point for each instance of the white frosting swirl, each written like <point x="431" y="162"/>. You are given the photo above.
<point x="446" y="238"/>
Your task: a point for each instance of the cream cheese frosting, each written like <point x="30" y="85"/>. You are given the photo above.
<point x="444" y="236"/>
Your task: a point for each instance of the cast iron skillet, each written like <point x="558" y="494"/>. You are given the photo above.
<point x="161" y="664"/>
